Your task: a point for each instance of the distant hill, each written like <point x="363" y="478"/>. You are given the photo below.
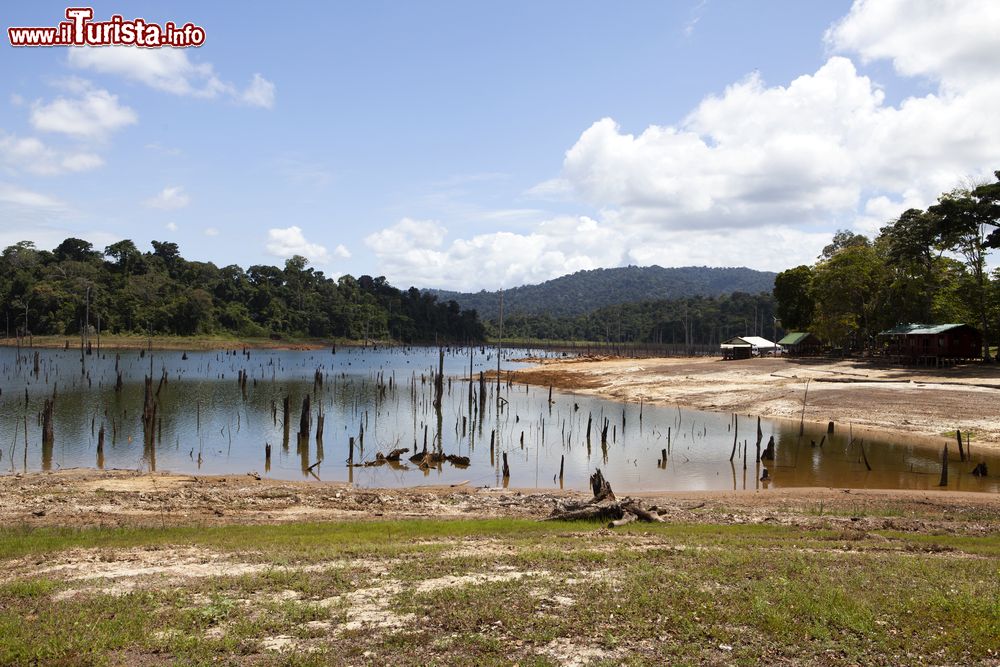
<point x="585" y="291"/>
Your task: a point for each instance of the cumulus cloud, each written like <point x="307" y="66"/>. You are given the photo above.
<point x="33" y="156"/>
<point x="170" y="71"/>
<point x="92" y="115"/>
<point x="954" y="42"/>
<point x="759" y="174"/>
<point x="806" y="152"/>
<point x="413" y="252"/>
<point x="291" y="241"/>
<point x="169" y="198"/>
<point x="171" y="226"/>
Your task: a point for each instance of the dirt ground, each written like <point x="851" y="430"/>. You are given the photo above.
<point x="89" y="498"/>
<point x="914" y="401"/>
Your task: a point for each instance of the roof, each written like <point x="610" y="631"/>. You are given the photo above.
<point x="794" y="338"/>
<point x="920" y="329"/>
<point x="748" y="341"/>
<point x="757" y="341"/>
<point x="737" y="341"/>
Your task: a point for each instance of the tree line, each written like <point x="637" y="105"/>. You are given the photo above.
<point x="124" y="290"/>
<point x="927" y="266"/>
<point x="689" y="321"/>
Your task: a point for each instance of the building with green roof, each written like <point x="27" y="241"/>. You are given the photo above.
<point x="932" y="343"/>
<point x="801" y="343"/>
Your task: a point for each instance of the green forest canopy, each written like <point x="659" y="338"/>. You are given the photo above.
<point x="585" y="291"/>
<point x="160" y="292"/>
<point x="926" y="266"/>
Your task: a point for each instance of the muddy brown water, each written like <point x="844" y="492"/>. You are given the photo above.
<point x="208" y="423"/>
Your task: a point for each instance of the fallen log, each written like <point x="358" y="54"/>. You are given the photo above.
<point x="604" y="506"/>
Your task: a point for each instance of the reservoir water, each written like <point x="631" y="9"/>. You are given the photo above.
<point x="209" y="420"/>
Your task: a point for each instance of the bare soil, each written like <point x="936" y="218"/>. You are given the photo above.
<point x="88" y="498"/>
<point x="921" y="402"/>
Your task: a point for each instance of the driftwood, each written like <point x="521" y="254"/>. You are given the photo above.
<point x="604" y="506"/>
<point x="601" y="487"/>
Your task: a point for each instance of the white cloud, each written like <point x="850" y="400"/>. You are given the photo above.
<point x="171" y="71"/>
<point x="954" y="42"/>
<point x="813" y="151"/>
<point x="415" y="252"/>
<point x="18" y="196"/>
<point x="342" y="251"/>
<point x="760" y="174"/>
<point x="291" y="241"/>
<point x="260" y="93"/>
<point x="95" y="114"/>
<point x="169" y="198"/>
<point x="31" y="155"/>
<point x="556" y="189"/>
<point x="693" y="17"/>
<point x="171" y="226"/>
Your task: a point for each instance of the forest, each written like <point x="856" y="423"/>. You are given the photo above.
<point x="928" y="266"/>
<point x="585" y="291"/>
<point x="690" y="321"/>
<point x="122" y="290"/>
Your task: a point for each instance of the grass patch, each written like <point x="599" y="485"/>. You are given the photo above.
<point x="532" y="592"/>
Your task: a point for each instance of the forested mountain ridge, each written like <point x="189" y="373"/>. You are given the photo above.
<point x="688" y="321"/>
<point x="124" y="290"/>
<point x="586" y="291"/>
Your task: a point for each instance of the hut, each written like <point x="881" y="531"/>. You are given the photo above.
<point x="801" y="343"/>
<point x="736" y="348"/>
<point x="744" y="347"/>
<point x="931" y="343"/>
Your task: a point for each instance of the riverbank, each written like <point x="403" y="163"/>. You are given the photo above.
<point x="141" y="569"/>
<point x="920" y="403"/>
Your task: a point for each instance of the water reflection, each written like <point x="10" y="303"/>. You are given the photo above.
<point x="307" y="414"/>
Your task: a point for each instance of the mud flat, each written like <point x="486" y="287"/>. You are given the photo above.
<point x="915" y="402"/>
<point x="85" y="498"/>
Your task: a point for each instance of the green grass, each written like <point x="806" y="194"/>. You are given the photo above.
<point x="672" y="593"/>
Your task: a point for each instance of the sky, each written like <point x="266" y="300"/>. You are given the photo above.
<point x="482" y="145"/>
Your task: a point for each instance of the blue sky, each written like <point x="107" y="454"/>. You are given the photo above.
<point x="479" y="145"/>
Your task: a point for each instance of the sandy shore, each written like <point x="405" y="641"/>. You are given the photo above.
<point x="917" y="402"/>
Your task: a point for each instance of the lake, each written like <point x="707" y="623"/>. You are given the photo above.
<point x="210" y="420"/>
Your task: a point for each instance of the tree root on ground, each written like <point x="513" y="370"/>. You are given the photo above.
<point x="604" y="506"/>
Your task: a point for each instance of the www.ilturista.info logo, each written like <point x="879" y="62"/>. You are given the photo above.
<point x="81" y="30"/>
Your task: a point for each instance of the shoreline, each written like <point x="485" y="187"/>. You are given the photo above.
<point x="190" y="344"/>
<point x="89" y="498"/>
<point x="919" y="406"/>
